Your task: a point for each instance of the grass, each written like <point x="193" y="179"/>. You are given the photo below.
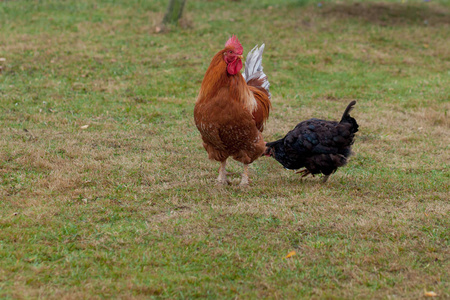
<point x="127" y="207"/>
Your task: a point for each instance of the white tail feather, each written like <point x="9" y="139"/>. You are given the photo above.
<point x="254" y="68"/>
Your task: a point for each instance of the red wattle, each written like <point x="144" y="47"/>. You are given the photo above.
<point x="234" y="67"/>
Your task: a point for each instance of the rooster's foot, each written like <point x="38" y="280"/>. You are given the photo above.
<point x="244" y="182"/>
<point x="222" y="179"/>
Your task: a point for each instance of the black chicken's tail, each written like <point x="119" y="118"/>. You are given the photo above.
<point x="346" y="118"/>
<point x="348" y="110"/>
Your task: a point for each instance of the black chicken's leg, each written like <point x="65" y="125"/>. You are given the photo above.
<point x="325" y="178"/>
<point x="304" y="172"/>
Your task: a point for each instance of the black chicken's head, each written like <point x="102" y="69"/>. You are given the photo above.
<point x="277" y="150"/>
<point x="273" y="148"/>
<point x="269" y="151"/>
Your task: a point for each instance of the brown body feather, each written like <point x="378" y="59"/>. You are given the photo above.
<point x="230" y="114"/>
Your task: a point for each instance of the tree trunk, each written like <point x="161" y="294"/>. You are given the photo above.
<point x="174" y="12"/>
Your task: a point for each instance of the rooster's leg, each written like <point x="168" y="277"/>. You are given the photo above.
<point x="222" y="179"/>
<point x="244" y="180"/>
<point x="325" y="178"/>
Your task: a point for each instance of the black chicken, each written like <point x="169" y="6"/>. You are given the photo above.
<point x="317" y="145"/>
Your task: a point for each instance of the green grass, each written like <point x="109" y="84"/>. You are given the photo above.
<point x="128" y="208"/>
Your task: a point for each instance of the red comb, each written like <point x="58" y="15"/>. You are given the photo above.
<point x="234" y="43"/>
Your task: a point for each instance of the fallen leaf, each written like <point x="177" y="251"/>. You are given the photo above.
<point x="292" y="253"/>
<point x="430" y="294"/>
<point x="84" y="126"/>
<point x="2" y="59"/>
<point x="158" y="29"/>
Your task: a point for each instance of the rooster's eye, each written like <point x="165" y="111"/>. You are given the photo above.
<point x="230" y="51"/>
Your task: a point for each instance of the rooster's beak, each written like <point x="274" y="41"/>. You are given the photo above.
<point x="240" y="56"/>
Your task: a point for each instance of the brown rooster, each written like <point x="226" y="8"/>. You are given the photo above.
<point x="231" y="108"/>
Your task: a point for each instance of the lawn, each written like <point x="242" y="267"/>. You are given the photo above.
<point x="107" y="192"/>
